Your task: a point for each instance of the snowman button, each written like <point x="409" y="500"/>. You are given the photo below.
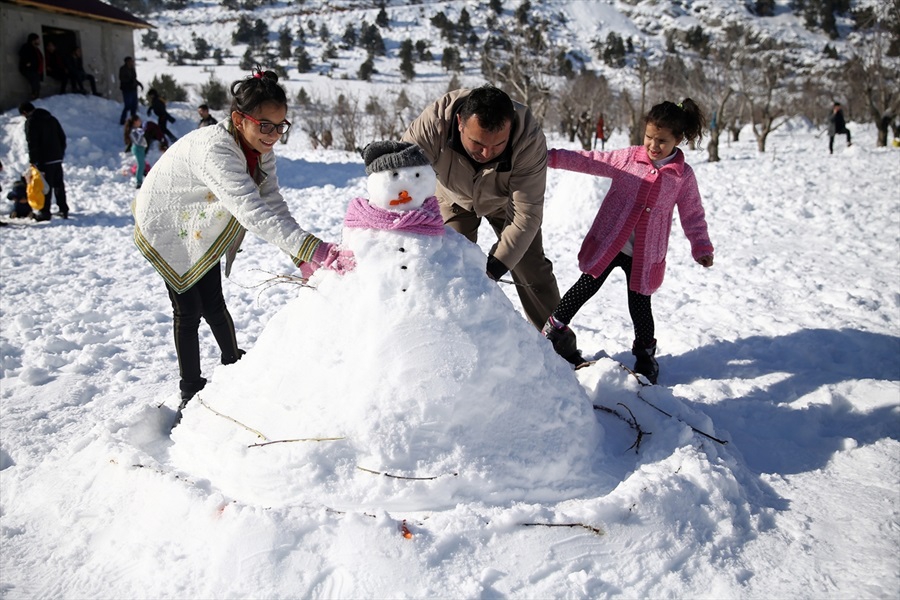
<point x="402" y="249"/>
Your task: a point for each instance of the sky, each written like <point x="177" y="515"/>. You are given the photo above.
<point x="527" y="484"/>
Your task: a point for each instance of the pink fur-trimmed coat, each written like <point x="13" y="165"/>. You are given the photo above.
<point x="641" y="199"/>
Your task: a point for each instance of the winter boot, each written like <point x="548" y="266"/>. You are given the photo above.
<point x="230" y="360"/>
<point x="189" y="389"/>
<point x="563" y="339"/>
<point x="645" y="364"/>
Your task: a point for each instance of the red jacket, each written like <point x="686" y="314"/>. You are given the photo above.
<point x="641" y="199"/>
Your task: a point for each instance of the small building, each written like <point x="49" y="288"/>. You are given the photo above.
<point x="104" y="33"/>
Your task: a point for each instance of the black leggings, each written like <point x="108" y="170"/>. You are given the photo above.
<point x="203" y="299"/>
<point x="639" y="305"/>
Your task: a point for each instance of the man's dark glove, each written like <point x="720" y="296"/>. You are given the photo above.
<point x="495" y="268"/>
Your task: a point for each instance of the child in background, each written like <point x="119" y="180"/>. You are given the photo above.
<point x="158" y="107"/>
<point x="19" y="195"/>
<point x="136" y="141"/>
<point x="631" y="229"/>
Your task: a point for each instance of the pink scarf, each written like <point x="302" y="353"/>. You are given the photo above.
<point x="426" y="220"/>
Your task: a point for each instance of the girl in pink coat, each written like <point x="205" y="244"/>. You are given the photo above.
<point x="631" y="229"/>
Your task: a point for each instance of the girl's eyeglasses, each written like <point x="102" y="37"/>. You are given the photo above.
<point x="267" y="127"/>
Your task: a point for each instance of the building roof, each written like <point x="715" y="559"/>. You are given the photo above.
<point x="89" y="9"/>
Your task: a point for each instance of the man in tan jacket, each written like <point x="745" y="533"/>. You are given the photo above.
<point x="490" y="157"/>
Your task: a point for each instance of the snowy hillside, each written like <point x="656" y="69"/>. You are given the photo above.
<point x="788" y="349"/>
<point x="577" y="33"/>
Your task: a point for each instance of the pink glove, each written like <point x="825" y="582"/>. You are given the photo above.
<point x="329" y="256"/>
<point x="341" y="261"/>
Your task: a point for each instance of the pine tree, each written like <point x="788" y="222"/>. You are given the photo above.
<point x="285" y="40"/>
<point x="366" y="70"/>
<point x="407" y="69"/>
<point x="450" y="60"/>
<point x="304" y="62"/>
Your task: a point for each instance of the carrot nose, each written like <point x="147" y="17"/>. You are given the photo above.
<point x="403" y="199"/>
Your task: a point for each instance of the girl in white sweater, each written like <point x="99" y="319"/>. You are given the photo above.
<point x="196" y="204"/>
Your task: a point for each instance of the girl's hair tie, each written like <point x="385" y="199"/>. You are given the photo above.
<point x="258" y="75"/>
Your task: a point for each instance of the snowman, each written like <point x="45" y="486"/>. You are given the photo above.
<point x="388" y="369"/>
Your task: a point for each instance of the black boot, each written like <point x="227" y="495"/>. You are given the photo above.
<point x="231" y="359"/>
<point x="563" y="340"/>
<point x="189" y="389"/>
<point x="645" y="364"/>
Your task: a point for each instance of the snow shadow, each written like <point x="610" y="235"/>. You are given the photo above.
<point x="826" y="365"/>
<point x="299" y="173"/>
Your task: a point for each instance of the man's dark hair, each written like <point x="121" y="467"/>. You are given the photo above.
<point x="26" y="108"/>
<point x="203" y="107"/>
<point x="32" y="37"/>
<point x="492" y="107"/>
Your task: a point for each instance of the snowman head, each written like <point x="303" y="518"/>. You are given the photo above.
<point x="400" y="175"/>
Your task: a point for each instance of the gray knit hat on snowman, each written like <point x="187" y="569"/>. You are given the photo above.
<point x="390" y="155"/>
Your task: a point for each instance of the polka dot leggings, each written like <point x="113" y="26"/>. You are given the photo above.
<point x="639" y="305"/>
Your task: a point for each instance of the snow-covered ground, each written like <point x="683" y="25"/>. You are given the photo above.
<point x="788" y="349"/>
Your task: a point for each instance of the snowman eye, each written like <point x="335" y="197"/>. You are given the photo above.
<point x="395" y="174"/>
<point x="417" y="174"/>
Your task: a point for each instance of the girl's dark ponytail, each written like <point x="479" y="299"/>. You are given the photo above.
<point x="260" y="88"/>
<point x="685" y="119"/>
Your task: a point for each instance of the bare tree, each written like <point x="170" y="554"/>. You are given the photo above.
<point x="763" y="86"/>
<point x="519" y="62"/>
<point x="348" y="116"/>
<point x="714" y="84"/>
<point x="316" y="118"/>
<point x="873" y="70"/>
<point x="579" y="104"/>
<point x="636" y="108"/>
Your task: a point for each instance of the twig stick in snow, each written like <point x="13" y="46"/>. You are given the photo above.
<point x="596" y="530"/>
<point x="644" y="384"/>
<point x="632" y="422"/>
<point x="323" y="439"/>
<point x="403" y="476"/>
<point x="233" y="420"/>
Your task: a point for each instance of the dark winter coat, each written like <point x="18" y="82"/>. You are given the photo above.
<point x="31" y="60"/>
<point x="515" y="182"/>
<point x="46" y="138"/>
<point x="128" y="81"/>
<point x="158" y="107"/>
<point x="836" y="123"/>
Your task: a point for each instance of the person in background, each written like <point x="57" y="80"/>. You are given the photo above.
<point x="195" y="206"/>
<point x="137" y="143"/>
<point x="836" y="125"/>
<point x="78" y="75"/>
<point x="56" y="66"/>
<point x="631" y="229"/>
<point x="152" y="133"/>
<point x="129" y="84"/>
<point x="19" y="196"/>
<point x="490" y="157"/>
<point x="206" y="119"/>
<point x="158" y="107"/>
<point x="31" y="64"/>
<point x="600" y="134"/>
<point x="46" y="149"/>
